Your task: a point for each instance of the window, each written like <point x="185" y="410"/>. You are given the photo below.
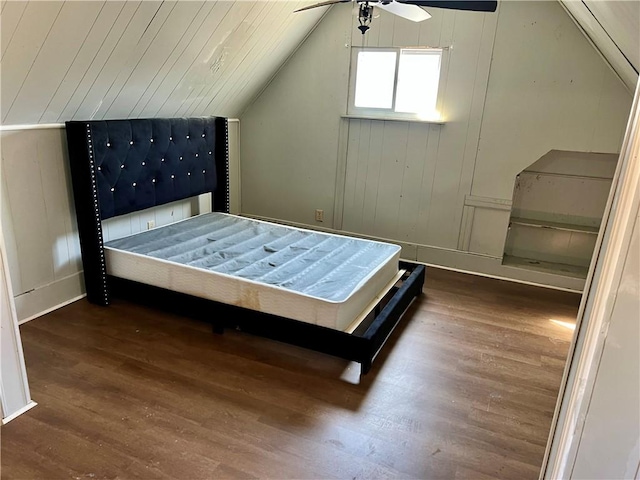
<point x="397" y="83"/>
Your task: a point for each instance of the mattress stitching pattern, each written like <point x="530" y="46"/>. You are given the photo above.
<point x="328" y="267"/>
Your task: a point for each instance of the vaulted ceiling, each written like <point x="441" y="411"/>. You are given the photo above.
<point x="614" y="29"/>
<point x="65" y="60"/>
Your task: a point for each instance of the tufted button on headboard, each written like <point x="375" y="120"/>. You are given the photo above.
<point x="144" y="163"/>
<point x="122" y="166"/>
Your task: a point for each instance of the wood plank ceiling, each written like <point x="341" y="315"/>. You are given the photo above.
<point x="613" y="27"/>
<point x="621" y="21"/>
<point x="125" y="59"/>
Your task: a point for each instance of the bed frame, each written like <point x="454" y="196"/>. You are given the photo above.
<point x="123" y="166"/>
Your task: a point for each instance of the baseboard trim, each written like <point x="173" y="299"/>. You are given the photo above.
<point x="17" y="413"/>
<point x="35" y="126"/>
<point x="498" y="277"/>
<point x="51" y="309"/>
<point x="492" y="267"/>
<point x="47" y="298"/>
<point x="458" y="261"/>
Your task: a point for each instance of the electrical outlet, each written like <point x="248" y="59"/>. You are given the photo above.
<point x="319" y="215"/>
<point x="151" y="224"/>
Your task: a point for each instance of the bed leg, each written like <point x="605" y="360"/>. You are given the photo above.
<point x="365" y="366"/>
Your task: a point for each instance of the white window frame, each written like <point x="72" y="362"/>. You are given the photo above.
<point x="390" y="113"/>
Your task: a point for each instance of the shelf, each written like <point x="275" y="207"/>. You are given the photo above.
<point x="527" y="222"/>
<point x="565" y="270"/>
<point x="383" y="118"/>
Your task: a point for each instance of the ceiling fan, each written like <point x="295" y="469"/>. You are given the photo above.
<point x="409" y="9"/>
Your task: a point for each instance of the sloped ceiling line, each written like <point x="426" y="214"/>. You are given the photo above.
<point x="612" y="27"/>
<point x="263" y="53"/>
<point x="622" y="52"/>
<point x="262" y="74"/>
<point x="65" y="60"/>
<point x="228" y="70"/>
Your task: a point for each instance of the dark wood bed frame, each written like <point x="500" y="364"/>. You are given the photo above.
<point x="123" y="166"/>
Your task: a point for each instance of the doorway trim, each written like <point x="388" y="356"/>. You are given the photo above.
<point x="596" y="306"/>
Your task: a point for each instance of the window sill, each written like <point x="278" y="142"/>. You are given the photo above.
<point x="392" y="119"/>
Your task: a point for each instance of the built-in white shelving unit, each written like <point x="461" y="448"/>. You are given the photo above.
<point x="568" y="227"/>
<point x="557" y="209"/>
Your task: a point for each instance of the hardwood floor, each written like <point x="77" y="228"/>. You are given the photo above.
<point x="464" y="389"/>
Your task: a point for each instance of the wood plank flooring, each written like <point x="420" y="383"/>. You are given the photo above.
<point x="464" y="389"/>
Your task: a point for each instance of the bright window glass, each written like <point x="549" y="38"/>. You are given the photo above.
<point x="390" y="83"/>
<point x="375" y="79"/>
<point x="418" y="76"/>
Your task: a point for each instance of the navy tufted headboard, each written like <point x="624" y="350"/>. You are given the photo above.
<point x="122" y="166"/>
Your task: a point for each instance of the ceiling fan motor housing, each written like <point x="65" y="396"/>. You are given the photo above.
<point x="409" y="9"/>
<point x="364" y="16"/>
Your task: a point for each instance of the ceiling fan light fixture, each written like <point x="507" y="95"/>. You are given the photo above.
<point x="365" y="15"/>
<point x="409" y="9"/>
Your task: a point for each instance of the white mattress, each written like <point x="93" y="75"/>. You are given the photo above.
<point x="314" y="277"/>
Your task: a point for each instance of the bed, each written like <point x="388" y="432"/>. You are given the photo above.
<point x="335" y="294"/>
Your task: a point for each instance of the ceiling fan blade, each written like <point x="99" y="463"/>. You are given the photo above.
<point x="322" y="4"/>
<point x="410" y="12"/>
<point x="473" y="5"/>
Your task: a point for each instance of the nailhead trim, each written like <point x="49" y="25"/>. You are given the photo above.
<point x="98" y="225"/>
<point x="226" y="129"/>
<point x="95" y="168"/>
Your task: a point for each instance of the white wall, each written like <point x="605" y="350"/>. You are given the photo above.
<point x="38" y="220"/>
<point x="290" y="138"/>
<point x="596" y="428"/>
<point x="407" y="181"/>
<point x="560" y="96"/>
<point x="15" y="397"/>
<point x="38" y="217"/>
<point x="610" y="443"/>
<point x="518" y="84"/>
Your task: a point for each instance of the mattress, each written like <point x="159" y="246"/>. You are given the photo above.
<point x="319" y="278"/>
